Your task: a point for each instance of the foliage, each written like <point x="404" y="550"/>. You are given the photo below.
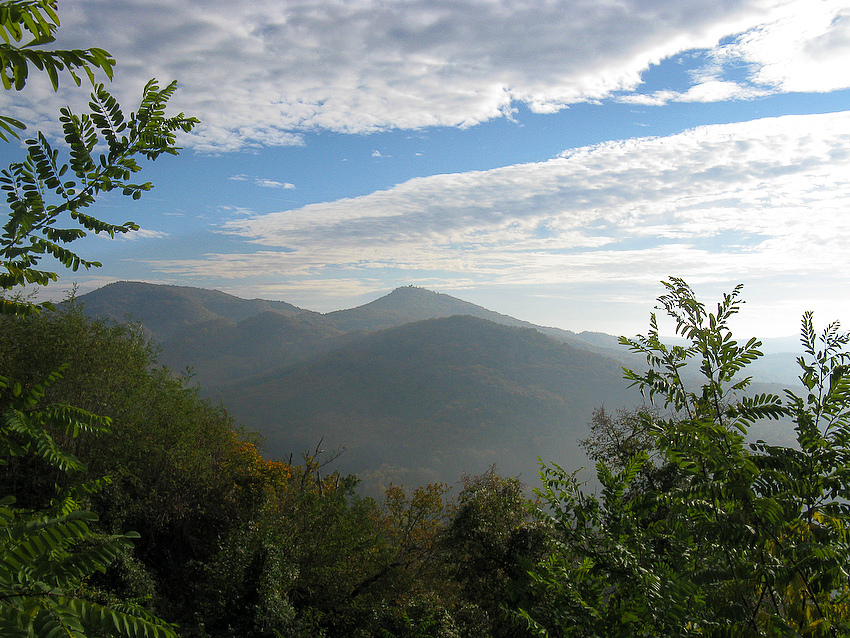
<point x="41" y="190"/>
<point x="616" y="439"/>
<point x="181" y="474"/>
<point x="47" y="556"/>
<point x="31" y="186"/>
<point x="749" y="539"/>
<point x="38" y="20"/>
<point x="233" y="544"/>
<point x="415" y="522"/>
<point x="492" y="541"/>
<point x="315" y="559"/>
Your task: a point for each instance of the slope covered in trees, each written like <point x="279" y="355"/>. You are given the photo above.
<point x="232" y="544"/>
<point x="165" y="310"/>
<point x="172" y="315"/>
<point x="694" y="532"/>
<point x="430" y="400"/>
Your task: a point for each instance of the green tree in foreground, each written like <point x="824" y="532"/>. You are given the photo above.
<point x="747" y="539"/>
<point x="492" y="540"/>
<point x="37" y="21"/>
<point x="42" y="191"/>
<point x="47" y="555"/>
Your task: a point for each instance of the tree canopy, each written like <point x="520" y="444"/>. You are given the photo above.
<point x="743" y="538"/>
<point x="48" y="553"/>
<point x="43" y="191"/>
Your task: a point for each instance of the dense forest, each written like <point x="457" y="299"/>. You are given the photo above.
<point x="178" y="516"/>
<point x="232" y="544"/>
<point x="131" y="506"/>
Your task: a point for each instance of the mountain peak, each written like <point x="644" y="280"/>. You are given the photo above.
<point x="407" y="295"/>
<point x="165" y="309"/>
<point x="405" y="305"/>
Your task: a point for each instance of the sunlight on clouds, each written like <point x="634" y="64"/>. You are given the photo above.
<point x="730" y="201"/>
<point x="657" y="98"/>
<point x="806" y="49"/>
<point x="136" y="235"/>
<point x="142" y="233"/>
<point x="718" y="91"/>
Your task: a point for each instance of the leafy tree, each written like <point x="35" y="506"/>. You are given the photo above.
<point x="38" y="20"/>
<point x="42" y="191"/>
<point x="182" y="475"/>
<point x="491" y="542"/>
<point x="47" y="556"/>
<point x="750" y="539"/>
<point x="303" y="563"/>
<point x="615" y="439"/>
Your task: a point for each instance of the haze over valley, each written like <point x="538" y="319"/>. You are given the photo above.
<point x="416" y="386"/>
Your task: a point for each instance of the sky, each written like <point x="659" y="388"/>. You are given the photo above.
<point x="552" y="160"/>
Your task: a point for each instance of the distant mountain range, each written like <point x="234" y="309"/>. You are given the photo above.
<point x="417" y="386"/>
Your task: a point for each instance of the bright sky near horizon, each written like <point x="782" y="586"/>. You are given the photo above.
<point x="548" y="159"/>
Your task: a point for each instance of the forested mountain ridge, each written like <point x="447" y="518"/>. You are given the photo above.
<point x="411" y="303"/>
<point x="219" y="351"/>
<point x="162" y="310"/>
<point x="223" y="338"/>
<point x="432" y="399"/>
<point x="417" y="386"/>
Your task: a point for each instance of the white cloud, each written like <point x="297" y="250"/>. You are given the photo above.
<point x="235" y="210"/>
<point x="262" y="181"/>
<point x="718" y="91"/>
<point x="657" y="98"/>
<point x="807" y="48"/>
<point x="270" y="183"/>
<point x="737" y="201"/>
<point x="142" y="233"/>
<point x="261" y="72"/>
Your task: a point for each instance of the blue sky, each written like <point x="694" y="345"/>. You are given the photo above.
<point x="551" y="160"/>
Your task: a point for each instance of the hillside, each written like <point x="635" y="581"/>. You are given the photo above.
<point x="433" y="399"/>
<point x="163" y="310"/>
<point x="219" y="351"/>
<point x="223" y="338"/>
<point x="410" y="303"/>
<point x="417" y="386"/>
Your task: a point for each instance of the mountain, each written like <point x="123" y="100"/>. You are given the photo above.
<point x="223" y="338"/>
<point x="430" y="400"/>
<point x="411" y="303"/>
<point x="163" y="310"/>
<point x="418" y="386"/>
<point x="219" y="351"/>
